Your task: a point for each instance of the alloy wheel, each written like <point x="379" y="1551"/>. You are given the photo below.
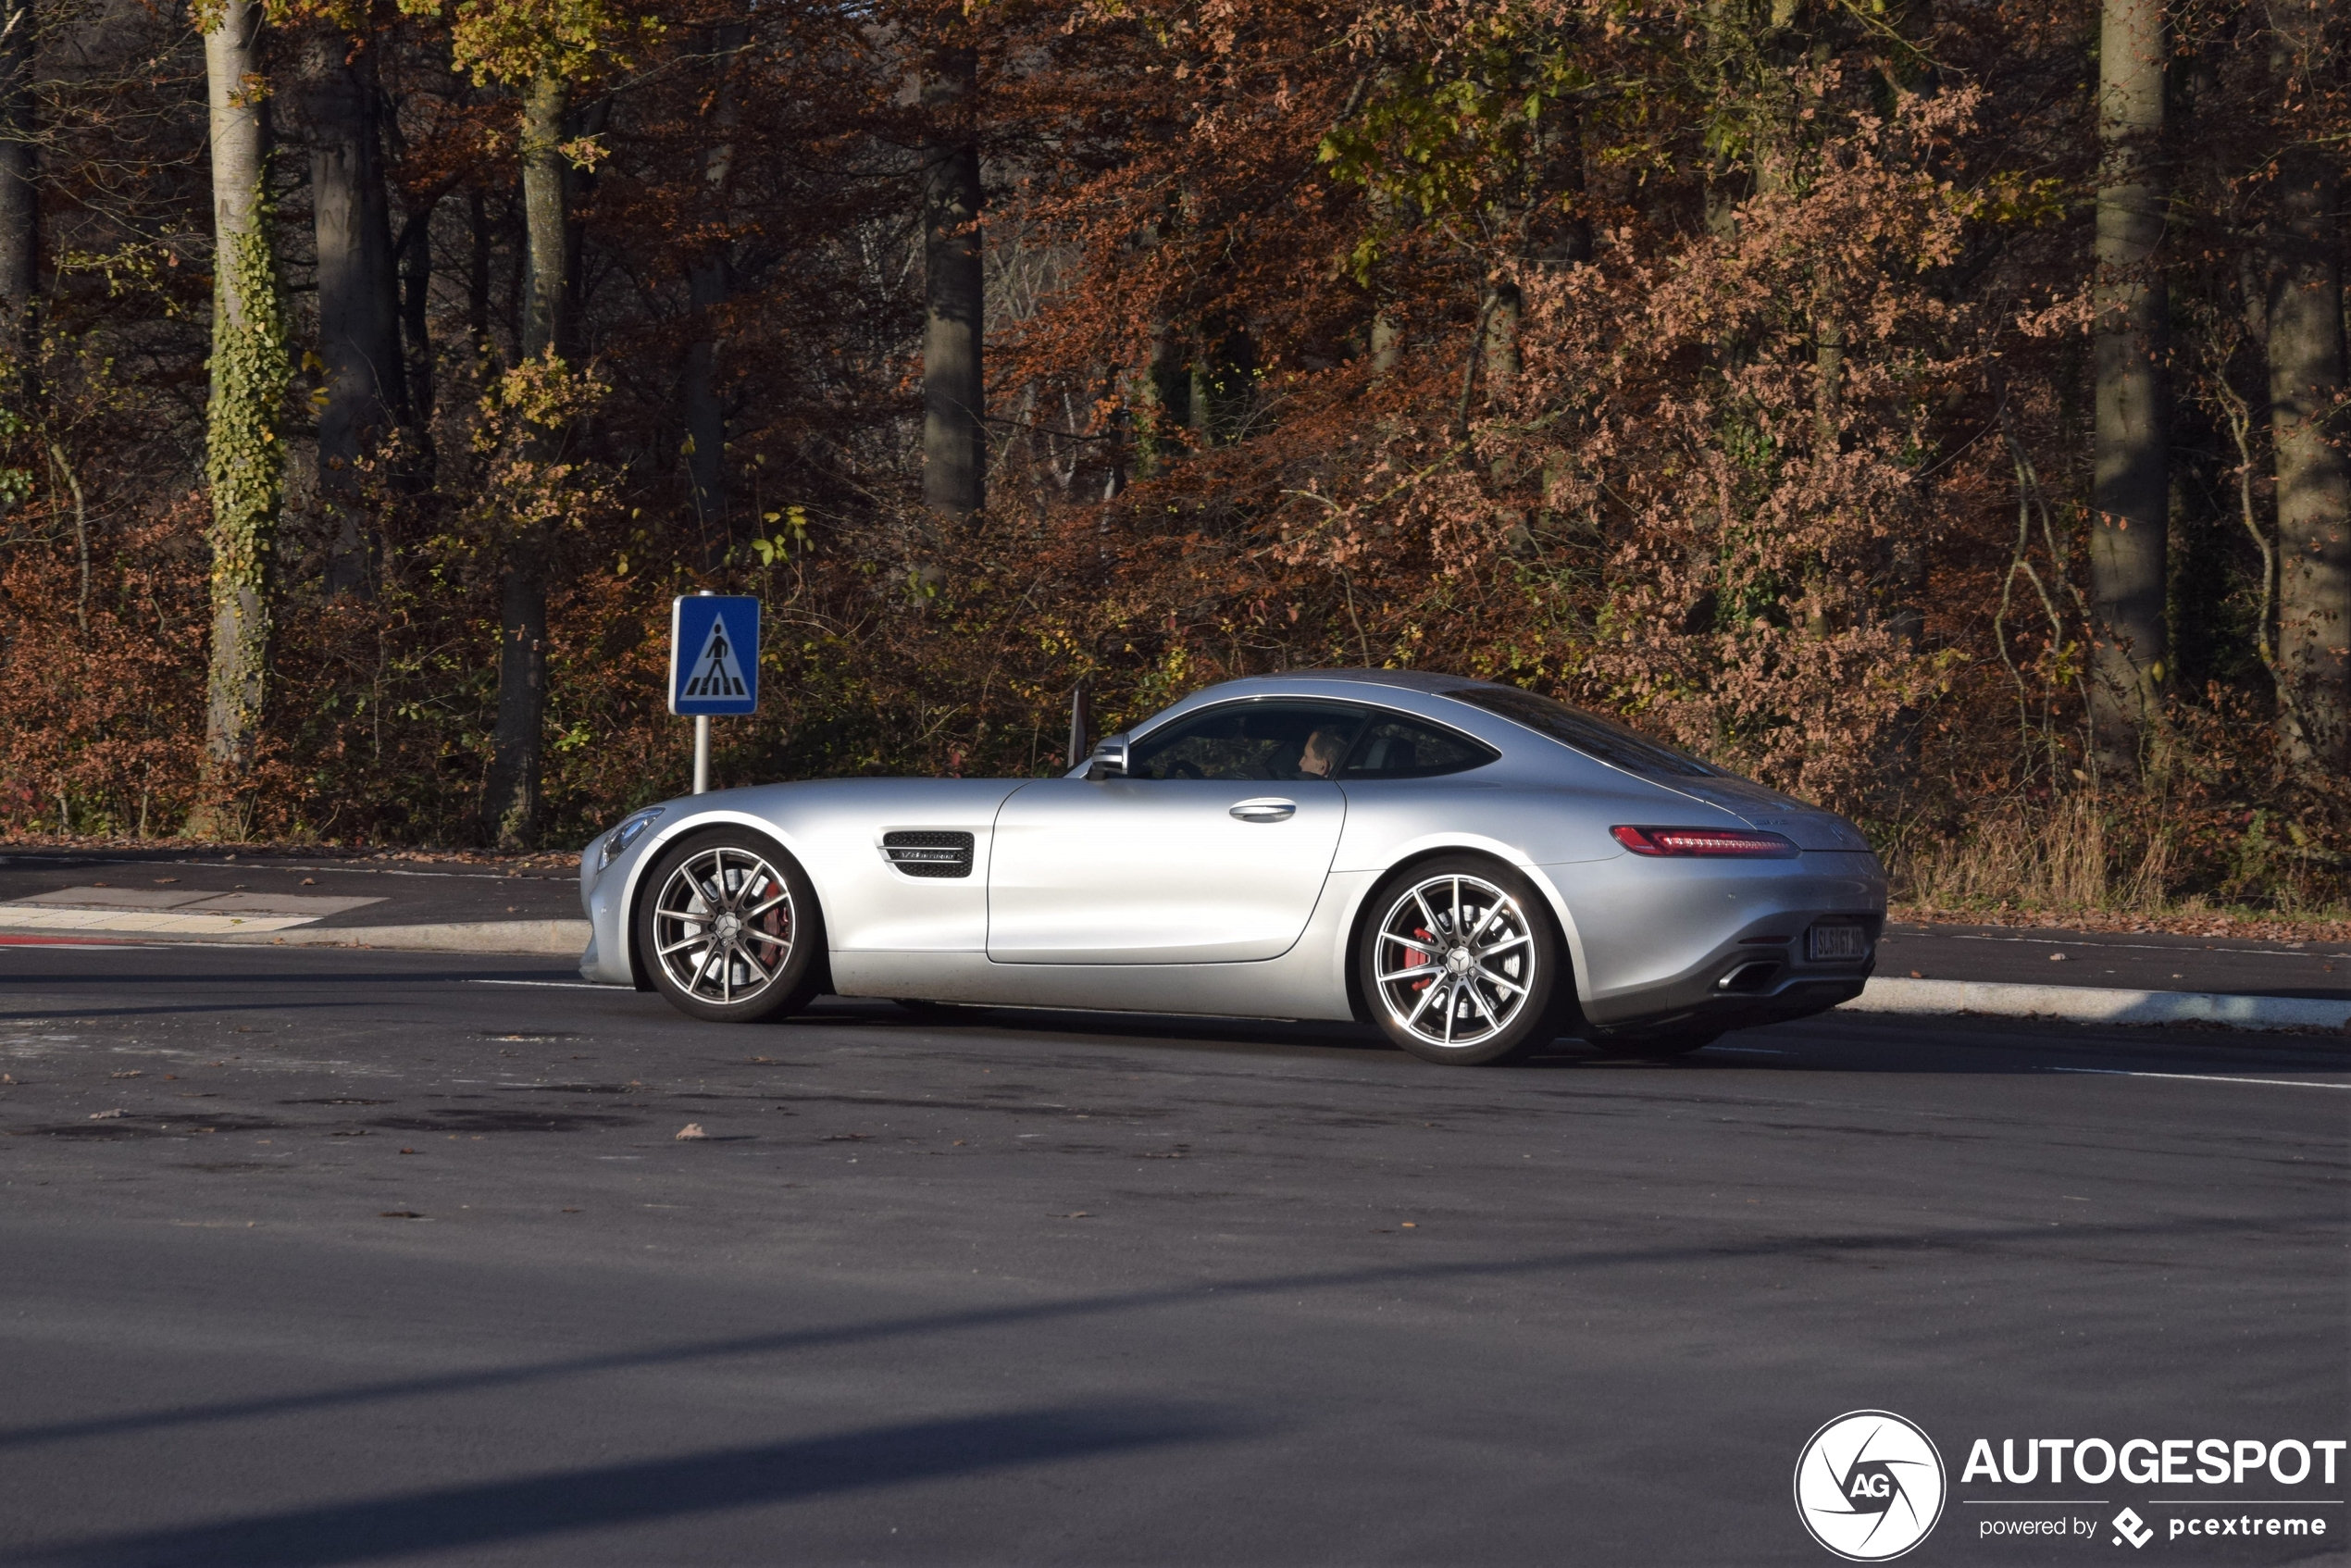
<point x="1455" y="962"/>
<point x="724" y="925"/>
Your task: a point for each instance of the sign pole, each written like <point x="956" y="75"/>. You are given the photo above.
<point x="714" y="666"/>
<point x="702" y="734"/>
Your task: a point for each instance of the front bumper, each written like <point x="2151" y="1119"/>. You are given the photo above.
<point x="604" y="896"/>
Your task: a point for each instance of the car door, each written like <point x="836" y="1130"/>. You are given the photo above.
<point x="1213" y="849"/>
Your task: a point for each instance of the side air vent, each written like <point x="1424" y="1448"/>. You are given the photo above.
<point x="929" y="853"/>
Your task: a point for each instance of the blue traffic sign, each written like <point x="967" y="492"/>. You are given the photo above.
<point x="714" y="655"/>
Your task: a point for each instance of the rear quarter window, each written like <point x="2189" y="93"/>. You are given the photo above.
<point x="1393" y="746"/>
<point x="1594" y="735"/>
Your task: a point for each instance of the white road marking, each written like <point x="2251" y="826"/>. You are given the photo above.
<point x="2200" y="1078"/>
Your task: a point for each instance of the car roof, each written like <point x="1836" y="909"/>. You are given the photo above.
<point x="1430" y="681"/>
<point x="1362" y="685"/>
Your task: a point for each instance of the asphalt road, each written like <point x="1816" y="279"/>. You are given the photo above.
<point x="395" y="1258"/>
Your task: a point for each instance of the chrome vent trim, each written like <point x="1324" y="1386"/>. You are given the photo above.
<point x="930" y="852"/>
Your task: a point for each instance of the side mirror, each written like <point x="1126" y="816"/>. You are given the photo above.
<point x="1108" y="759"/>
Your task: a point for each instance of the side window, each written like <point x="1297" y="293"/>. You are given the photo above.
<point x="1396" y="747"/>
<point x="1277" y="742"/>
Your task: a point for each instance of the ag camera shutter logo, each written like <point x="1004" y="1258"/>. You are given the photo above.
<point x="1869" y="1485"/>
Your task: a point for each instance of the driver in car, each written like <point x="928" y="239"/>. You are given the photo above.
<point x="1321" y="755"/>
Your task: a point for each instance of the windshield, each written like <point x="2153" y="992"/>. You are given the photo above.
<point x="1594" y="735"/>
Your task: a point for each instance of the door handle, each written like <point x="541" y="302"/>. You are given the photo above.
<point x="1265" y="811"/>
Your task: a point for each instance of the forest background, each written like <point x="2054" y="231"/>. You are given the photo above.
<point x="1934" y="408"/>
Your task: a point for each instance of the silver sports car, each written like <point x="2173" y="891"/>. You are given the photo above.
<point x="1472" y="868"/>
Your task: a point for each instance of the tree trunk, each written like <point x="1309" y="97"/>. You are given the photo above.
<point x="359" y="295"/>
<point x="2130" y="489"/>
<point x="19" y="197"/>
<point x="244" y="459"/>
<point x="477" y="249"/>
<point x="546" y="216"/>
<point x="706" y="291"/>
<point x="1506" y="306"/>
<point x="954" y="400"/>
<point x="2306" y="351"/>
<point x="511" y="810"/>
<point x="413" y="254"/>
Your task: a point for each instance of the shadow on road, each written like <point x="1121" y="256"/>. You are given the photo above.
<point x="1973" y="1240"/>
<point x="455" y="1518"/>
<point x="1842" y="1043"/>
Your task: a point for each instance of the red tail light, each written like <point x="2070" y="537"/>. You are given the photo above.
<point x="1740" y="844"/>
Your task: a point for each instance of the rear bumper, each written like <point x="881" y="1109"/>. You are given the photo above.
<point x="1797" y="998"/>
<point x="1673" y="946"/>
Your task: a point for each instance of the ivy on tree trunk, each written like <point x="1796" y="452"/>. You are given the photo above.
<point x="244" y="456"/>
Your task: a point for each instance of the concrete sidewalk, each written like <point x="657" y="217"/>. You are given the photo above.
<point x="293" y="896"/>
<point x="2101" y="1004"/>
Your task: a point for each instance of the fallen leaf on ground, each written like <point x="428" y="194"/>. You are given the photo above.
<point x="407" y="1152"/>
<point x="690" y="1130"/>
<point x="134" y="1073"/>
<point x="107" y="1116"/>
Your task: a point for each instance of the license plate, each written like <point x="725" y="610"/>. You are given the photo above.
<point x="1839" y="941"/>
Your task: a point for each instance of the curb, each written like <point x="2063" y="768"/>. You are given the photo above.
<point x="551" y="939"/>
<point x="537" y="938"/>
<point x="2093" y="1004"/>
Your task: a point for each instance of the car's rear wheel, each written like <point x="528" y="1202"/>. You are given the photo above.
<point x="730" y="928"/>
<point x="1461" y="962"/>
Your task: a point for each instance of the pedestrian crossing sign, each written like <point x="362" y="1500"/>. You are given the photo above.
<point x="714" y="655"/>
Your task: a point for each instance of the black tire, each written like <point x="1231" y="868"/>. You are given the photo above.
<point x="763" y="966"/>
<point x="1501" y="998"/>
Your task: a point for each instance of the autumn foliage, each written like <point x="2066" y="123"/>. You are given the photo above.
<point x="1725" y="366"/>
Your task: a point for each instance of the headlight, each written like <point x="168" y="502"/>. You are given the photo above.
<point x="616" y="842"/>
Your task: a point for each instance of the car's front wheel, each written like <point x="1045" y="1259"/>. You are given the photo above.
<point x="1461" y="962"/>
<point x="730" y="928"/>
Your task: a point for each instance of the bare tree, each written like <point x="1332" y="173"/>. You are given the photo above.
<point x="19" y="198"/>
<point x="244" y="459"/>
<point x="954" y="397"/>
<point x="513" y="806"/>
<point x="2302" y="315"/>
<point x="707" y="285"/>
<point x="358" y="299"/>
<point x="2130" y="484"/>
